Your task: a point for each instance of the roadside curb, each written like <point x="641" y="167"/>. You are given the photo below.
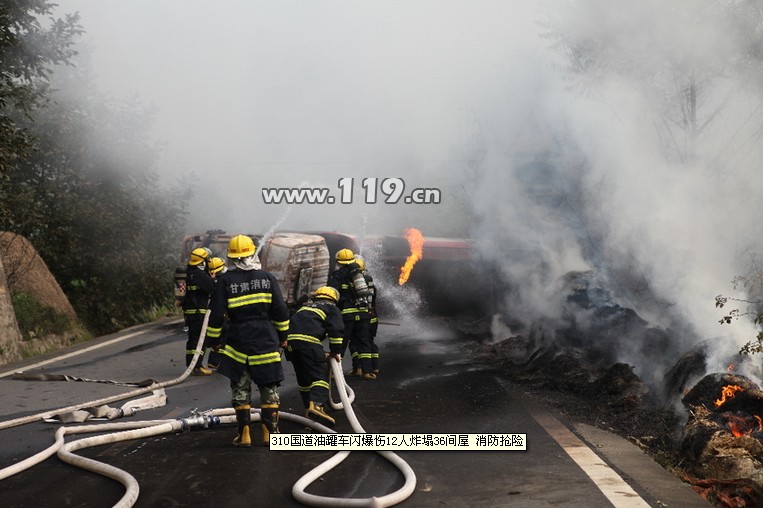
<point x="654" y="483"/>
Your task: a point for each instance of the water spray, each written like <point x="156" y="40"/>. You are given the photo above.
<point x="279" y="222"/>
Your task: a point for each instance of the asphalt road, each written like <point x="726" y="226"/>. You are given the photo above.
<point x="428" y="385"/>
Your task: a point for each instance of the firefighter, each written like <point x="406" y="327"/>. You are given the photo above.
<point x="217" y="267"/>
<point x="199" y="287"/>
<point x="258" y="324"/>
<point x="318" y="319"/>
<point x="373" y="316"/>
<point x="351" y="284"/>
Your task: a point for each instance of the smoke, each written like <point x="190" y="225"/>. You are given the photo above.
<point x="552" y="168"/>
<point x="665" y="214"/>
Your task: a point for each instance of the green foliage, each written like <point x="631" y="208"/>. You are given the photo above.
<point x="85" y="190"/>
<point x="28" y="52"/>
<point x="37" y="320"/>
<point x="107" y="229"/>
<point x="753" y="311"/>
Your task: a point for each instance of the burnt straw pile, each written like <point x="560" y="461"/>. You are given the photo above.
<point x="723" y="439"/>
<point x="706" y="429"/>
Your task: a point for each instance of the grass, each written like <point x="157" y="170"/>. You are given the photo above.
<point x="36" y="320"/>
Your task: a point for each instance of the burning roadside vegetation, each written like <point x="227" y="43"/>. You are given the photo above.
<point x="704" y="428"/>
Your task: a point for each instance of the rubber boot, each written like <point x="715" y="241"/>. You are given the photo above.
<point x="243" y="438"/>
<point x="369" y="375"/>
<point x="355" y="372"/>
<point x="317" y="413"/>
<point x="269" y="415"/>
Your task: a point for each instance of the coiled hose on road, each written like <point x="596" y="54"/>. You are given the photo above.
<point x="298" y="490"/>
<point x="126" y="431"/>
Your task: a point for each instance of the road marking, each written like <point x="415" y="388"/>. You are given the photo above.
<point x="75" y="353"/>
<point x="613" y="486"/>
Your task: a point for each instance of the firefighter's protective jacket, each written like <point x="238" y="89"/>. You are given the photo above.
<point x="372" y="297"/>
<point x="351" y="284"/>
<point x="199" y="289"/>
<point x="314" y="322"/>
<point x="258" y="323"/>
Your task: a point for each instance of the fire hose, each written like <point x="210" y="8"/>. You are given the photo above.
<point x="124" y="411"/>
<point x="298" y="490"/>
<point x="23" y="376"/>
<point x="137" y="430"/>
<point x="122" y="396"/>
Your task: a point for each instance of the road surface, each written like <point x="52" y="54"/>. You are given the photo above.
<point x="428" y="385"/>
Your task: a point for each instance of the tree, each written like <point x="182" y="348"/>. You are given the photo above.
<point x="28" y="52"/>
<point x="78" y="174"/>
<point x="690" y="59"/>
<point x="89" y="199"/>
<point x="752" y="310"/>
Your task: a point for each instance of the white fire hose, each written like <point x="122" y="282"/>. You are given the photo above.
<point x="122" y="396"/>
<point x="137" y="430"/>
<point x="298" y="490"/>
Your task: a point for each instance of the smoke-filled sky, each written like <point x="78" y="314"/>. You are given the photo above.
<point x="256" y="94"/>
<point x="588" y="171"/>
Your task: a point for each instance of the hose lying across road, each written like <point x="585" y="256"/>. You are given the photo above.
<point x="125" y="431"/>
<point x="121" y="396"/>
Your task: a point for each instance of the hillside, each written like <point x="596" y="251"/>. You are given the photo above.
<point x="23" y="270"/>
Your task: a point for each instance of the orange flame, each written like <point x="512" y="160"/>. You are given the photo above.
<point x="416" y="244"/>
<point x="728" y="392"/>
<point x="740" y="426"/>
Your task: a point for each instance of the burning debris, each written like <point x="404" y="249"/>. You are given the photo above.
<point x="582" y="354"/>
<point x="723" y="439"/>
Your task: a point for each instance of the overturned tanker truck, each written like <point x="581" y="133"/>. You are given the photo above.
<point x="445" y="274"/>
<point x="299" y="262"/>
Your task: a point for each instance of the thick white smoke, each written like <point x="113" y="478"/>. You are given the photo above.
<point x="665" y="216"/>
<point x="560" y="135"/>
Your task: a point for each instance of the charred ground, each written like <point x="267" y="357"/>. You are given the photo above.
<point x="610" y="396"/>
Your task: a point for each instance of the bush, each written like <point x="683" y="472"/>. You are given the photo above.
<point x="38" y="320"/>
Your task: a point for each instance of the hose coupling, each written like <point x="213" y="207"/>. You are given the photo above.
<point x="199" y="422"/>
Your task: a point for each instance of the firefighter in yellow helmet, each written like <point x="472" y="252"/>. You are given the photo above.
<point x="258" y="324"/>
<point x="354" y="305"/>
<point x="199" y="287"/>
<point x="373" y="316"/>
<point x="217" y="267"/>
<point x="311" y="324"/>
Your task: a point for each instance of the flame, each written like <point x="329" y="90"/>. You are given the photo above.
<point x="416" y="244"/>
<point x="741" y="426"/>
<point x="728" y="392"/>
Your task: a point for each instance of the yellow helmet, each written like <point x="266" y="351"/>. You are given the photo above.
<point x="216" y="265"/>
<point x="360" y="262"/>
<point x="198" y="256"/>
<point x="345" y="256"/>
<point x="241" y="246"/>
<point x="327" y="292"/>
